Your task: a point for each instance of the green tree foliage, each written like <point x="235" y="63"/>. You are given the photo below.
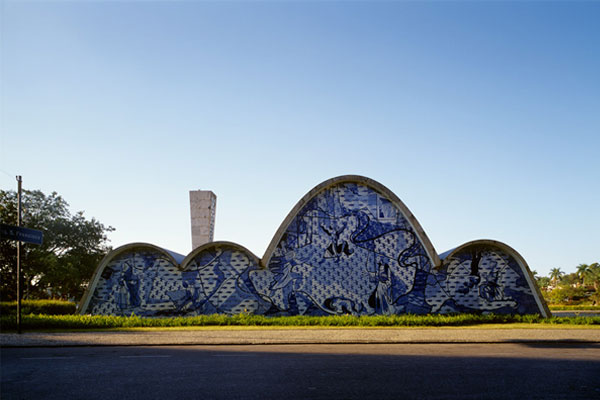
<point x="570" y="279"/>
<point x="566" y="295"/>
<point x="543" y="282"/>
<point x="556" y="274"/>
<point x="62" y="266"/>
<point x="589" y="274"/>
<point x="580" y="287"/>
<point x="581" y="271"/>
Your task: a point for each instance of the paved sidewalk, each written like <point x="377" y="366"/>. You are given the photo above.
<point x="297" y="336"/>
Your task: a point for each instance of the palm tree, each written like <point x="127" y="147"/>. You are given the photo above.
<point x="592" y="275"/>
<point x="582" y="272"/>
<point x="556" y="274"/>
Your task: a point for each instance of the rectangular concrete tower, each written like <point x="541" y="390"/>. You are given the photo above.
<point x="203" y="207"/>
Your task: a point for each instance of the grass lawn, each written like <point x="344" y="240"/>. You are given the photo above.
<point x="42" y="322"/>
<point x="560" y="307"/>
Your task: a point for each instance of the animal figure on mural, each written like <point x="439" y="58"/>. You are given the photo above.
<point x="337" y="247"/>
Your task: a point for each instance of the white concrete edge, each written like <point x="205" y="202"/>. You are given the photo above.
<point x="362" y="180"/>
<point x="537" y="295"/>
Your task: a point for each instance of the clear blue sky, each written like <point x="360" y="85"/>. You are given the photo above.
<point x="483" y="117"/>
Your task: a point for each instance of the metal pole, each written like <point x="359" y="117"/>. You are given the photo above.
<point x="19" y="221"/>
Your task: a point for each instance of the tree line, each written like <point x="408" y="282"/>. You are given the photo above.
<point x="579" y="287"/>
<point x="72" y="248"/>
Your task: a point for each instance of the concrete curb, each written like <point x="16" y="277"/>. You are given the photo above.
<point x="297" y="336"/>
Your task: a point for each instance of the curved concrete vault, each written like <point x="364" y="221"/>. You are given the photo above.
<point x="348" y="246"/>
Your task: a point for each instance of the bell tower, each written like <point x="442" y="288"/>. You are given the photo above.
<point x="203" y="206"/>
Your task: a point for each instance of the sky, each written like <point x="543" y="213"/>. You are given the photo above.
<point x="482" y="117"/>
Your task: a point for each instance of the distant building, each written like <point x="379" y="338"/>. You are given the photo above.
<point x="203" y="206"/>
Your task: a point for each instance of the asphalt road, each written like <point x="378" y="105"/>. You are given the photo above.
<point x="385" y="371"/>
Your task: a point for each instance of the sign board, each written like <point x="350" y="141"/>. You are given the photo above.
<point x="23" y="234"/>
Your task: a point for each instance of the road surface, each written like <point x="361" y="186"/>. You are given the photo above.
<point x="344" y="371"/>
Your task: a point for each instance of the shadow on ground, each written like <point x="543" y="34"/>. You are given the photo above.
<point x="393" y="371"/>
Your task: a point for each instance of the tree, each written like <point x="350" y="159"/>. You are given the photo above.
<point x="570" y="279"/>
<point x="556" y="274"/>
<point x="60" y="267"/>
<point x="566" y="295"/>
<point x="582" y="270"/>
<point x="590" y="274"/>
<point x="543" y="282"/>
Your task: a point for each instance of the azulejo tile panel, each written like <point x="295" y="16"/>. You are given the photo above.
<point x="144" y="282"/>
<point x="350" y="248"/>
<point x="218" y="279"/>
<point x="141" y="281"/>
<point x="481" y="278"/>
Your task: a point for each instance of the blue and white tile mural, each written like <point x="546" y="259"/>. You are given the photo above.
<point x="220" y="278"/>
<point x="480" y="278"/>
<point x="349" y="249"/>
<point x="143" y="281"/>
<point x="139" y="282"/>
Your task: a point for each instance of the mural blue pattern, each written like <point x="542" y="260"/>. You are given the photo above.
<point x="146" y="283"/>
<point x="141" y="282"/>
<point x="480" y="279"/>
<point x="220" y="277"/>
<point x="348" y="250"/>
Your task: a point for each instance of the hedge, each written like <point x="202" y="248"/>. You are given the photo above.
<point x="48" y="307"/>
<point x="560" y="307"/>
<point x="32" y="321"/>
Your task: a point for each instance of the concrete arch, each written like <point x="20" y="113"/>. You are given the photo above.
<point x="207" y="246"/>
<point x="490" y="244"/>
<point x="173" y="257"/>
<point x="221" y="274"/>
<point x="362" y="180"/>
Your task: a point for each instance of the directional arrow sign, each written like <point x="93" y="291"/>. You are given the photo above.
<point x="23" y="234"/>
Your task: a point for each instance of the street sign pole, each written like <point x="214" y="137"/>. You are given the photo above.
<point x="19" y="221"/>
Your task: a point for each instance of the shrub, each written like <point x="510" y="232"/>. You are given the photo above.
<point x="48" y="307"/>
<point x="62" y="322"/>
<point x="567" y="295"/>
<point x="561" y="307"/>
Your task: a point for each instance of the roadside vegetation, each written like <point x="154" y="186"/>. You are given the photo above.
<point x="561" y="307"/>
<point x="64" y="307"/>
<point x="42" y="315"/>
<point x="77" y="322"/>
<point x="48" y="307"/>
<point x="576" y="289"/>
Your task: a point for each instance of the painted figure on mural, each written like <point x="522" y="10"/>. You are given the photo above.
<point x="128" y="287"/>
<point x="476" y="281"/>
<point x="338" y="246"/>
<point x="381" y="300"/>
